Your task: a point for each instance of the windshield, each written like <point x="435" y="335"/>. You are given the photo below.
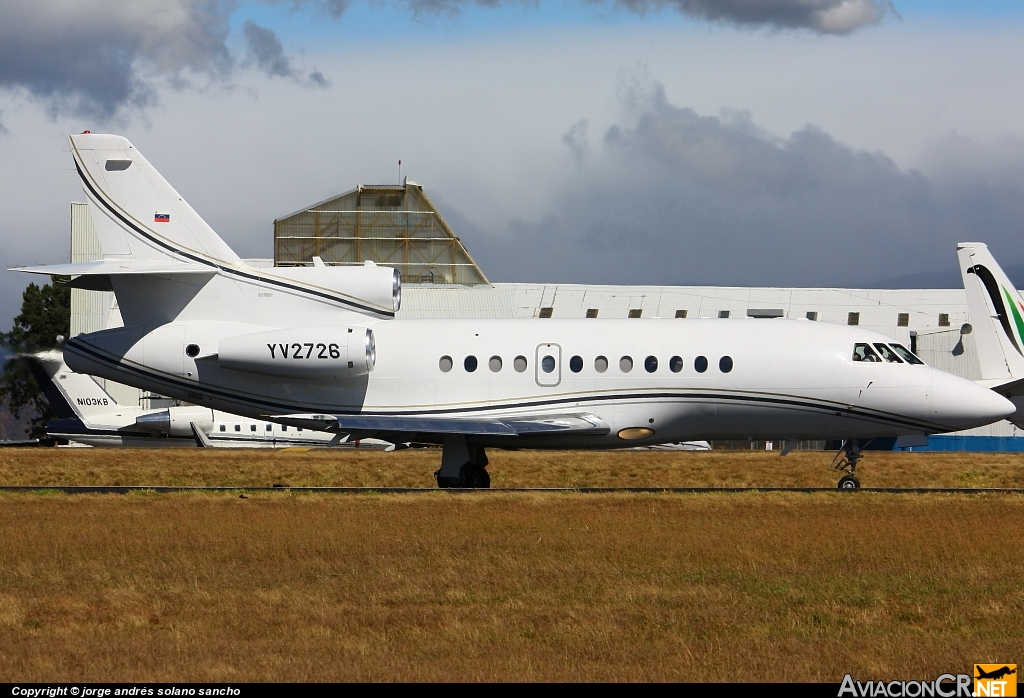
<point x="864" y="352"/>
<point x="906" y="355"/>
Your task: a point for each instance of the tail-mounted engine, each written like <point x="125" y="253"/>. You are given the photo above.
<point x="325" y="351"/>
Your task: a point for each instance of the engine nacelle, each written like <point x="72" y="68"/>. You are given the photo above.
<point x="323" y="351"/>
<point x="177" y="421"/>
<point x="377" y="286"/>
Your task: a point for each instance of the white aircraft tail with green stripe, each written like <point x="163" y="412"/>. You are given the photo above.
<point x="997" y="315"/>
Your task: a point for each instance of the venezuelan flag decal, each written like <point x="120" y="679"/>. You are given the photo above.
<point x="161" y="217"/>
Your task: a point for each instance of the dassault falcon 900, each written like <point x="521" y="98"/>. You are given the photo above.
<point x="319" y="347"/>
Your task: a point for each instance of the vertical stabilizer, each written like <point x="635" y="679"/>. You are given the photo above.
<point x="80" y="394"/>
<point x="136" y="213"/>
<point x="997" y="313"/>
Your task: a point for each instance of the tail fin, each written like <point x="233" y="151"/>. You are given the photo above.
<point x="136" y="213"/>
<point x="997" y="313"/>
<point x="70" y="394"/>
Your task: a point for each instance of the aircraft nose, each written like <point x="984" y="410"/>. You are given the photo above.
<point x="962" y="404"/>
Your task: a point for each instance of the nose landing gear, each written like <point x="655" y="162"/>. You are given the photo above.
<point x="845" y="461"/>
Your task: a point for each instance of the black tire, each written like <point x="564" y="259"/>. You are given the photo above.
<point x="446" y="483"/>
<point x="849" y="482"/>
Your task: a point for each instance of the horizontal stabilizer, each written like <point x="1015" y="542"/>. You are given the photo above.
<point x="106" y="267"/>
<point x="497" y="426"/>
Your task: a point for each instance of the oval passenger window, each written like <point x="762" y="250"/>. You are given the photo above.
<point x="576" y="364"/>
<point x="445" y="364"/>
<point x="675" y="364"/>
<point x="494" y="363"/>
<point x="519" y="364"/>
<point x="651" y="364"/>
<point x="547" y="364"/>
<point x="470" y="363"/>
<point x="725" y="364"/>
<point x="626" y="364"/>
<point x="701" y="364"/>
<point x="601" y="364"/>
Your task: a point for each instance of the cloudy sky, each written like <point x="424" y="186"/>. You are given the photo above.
<point x="746" y="142"/>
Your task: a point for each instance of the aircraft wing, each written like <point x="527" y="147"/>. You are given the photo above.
<point x="516" y="425"/>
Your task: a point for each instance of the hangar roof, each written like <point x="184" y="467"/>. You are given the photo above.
<point x="394" y="225"/>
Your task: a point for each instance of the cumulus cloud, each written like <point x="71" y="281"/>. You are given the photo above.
<point x="95" y="56"/>
<point x="676" y="197"/>
<point x="266" y="53"/>
<point x="821" y="16"/>
<point x="99" y="56"/>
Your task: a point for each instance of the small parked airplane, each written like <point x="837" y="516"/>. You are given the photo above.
<point x="997" y="322"/>
<point x="319" y="347"/>
<point x="87" y="414"/>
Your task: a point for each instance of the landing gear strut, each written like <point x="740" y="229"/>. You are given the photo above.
<point x="462" y="466"/>
<point x="845" y="461"/>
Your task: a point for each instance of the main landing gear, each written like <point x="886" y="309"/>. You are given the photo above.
<point x="845" y="461"/>
<point x="462" y="466"/>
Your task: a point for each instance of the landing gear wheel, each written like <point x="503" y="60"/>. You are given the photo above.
<point x="470" y="477"/>
<point x="446" y="483"/>
<point x="846" y="462"/>
<point x="849" y="482"/>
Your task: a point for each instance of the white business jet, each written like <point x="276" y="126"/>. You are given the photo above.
<point x="319" y="347"/>
<point x="997" y="322"/>
<point x="87" y="414"/>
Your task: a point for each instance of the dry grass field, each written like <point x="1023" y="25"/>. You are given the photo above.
<point x="504" y="585"/>
<point x="414" y="468"/>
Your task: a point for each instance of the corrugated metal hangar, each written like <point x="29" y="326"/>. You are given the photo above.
<point x="397" y="225"/>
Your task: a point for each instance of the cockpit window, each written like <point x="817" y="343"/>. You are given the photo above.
<point x="907" y="356"/>
<point x="888" y="354"/>
<point x="864" y="352"/>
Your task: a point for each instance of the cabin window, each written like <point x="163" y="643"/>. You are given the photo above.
<point x="445" y="364"/>
<point x="547" y="364"/>
<point x="592" y="312"/>
<point x="269" y="427"/>
<point x="601" y="364"/>
<point x="675" y="364"/>
<point x="812" y="315"/>
<point x="680" y="313"/>
<point x="906" y="355"/>
<point x="223" y="427"/>
<point x="723" y="314"/>
<point x="519" y="364"/>
<point x="888" y="354"/>
<point x="903" y="320"/>
<point x="853" y="318"/>
<point x="626" y="364"/>
<point x="943" y="319"/>
<point x="651" y="364"/>
<point x="864" y="352"/>
<point x="252" y="427"/>
<point x="494" y="363"/>
<point x="725" y="364"/>
<point x="470" y="363"/>
<point x="700" y="364"/>
<point x="238" y="427"/>
<point x="576" y="364"/>
<point x="545" y="312"/>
